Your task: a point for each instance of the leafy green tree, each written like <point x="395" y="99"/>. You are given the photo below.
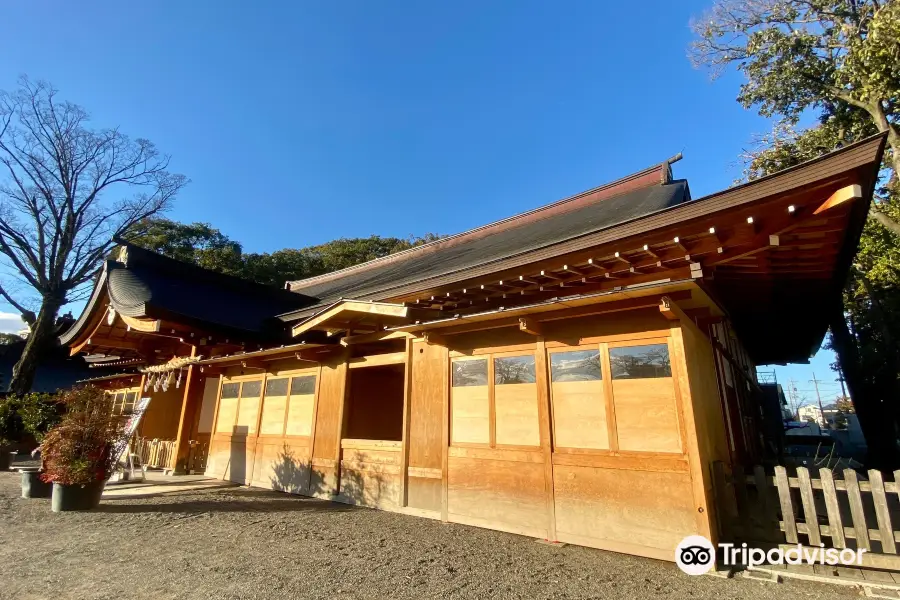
<point x="205" y="246"/>
<point x="838" y="61"/>
<point x="195" y="243"/>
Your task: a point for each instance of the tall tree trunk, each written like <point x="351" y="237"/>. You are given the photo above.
<point x="874" y="418"/>
<point x="39" y="340"/>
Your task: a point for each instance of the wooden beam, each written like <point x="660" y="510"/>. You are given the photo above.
<point x="378" y="360"/>
<point x="360" y="309"/>
<point x="143" y="325"/>
<point x="378" y="336"/>
<point x="845" y="194"/>
<point x="531" y="326"/>
<point x="120" y="343"/>
<point x="672" y="311"/>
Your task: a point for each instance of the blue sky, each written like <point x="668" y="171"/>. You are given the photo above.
<point x="301" y="122"/>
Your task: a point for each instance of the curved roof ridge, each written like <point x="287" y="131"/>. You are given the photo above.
<point x="657" y="174"/>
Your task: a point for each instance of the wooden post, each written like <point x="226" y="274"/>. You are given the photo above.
<point x="835" y="525"/>
<point x="407" y="400"/>
<point x="856" y="510"/>
<point x="787" y="508"/>
<point x="881" y="512"/>
<point x="809" y="507"/>
<point x="445" y="435"/>
<point x="189" y="405"/>
<point x="542" y="376"/>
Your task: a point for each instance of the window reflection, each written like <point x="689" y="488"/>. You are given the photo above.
<point x="640" y="362"/>
<point x="514" y="369"/>
<point x="301" y="386"/>
<point x="467" y="373"/>
<point x="580" y="365"/>
<point x="276" y="387"/>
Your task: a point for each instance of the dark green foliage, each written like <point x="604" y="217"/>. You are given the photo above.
<point x="838" y="60"/>
<point x="205" y="246"/>
<point x="40" y="413"/>
<point x="11" y="425"/>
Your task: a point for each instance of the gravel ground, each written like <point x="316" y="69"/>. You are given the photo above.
<point x="248" y="543"/>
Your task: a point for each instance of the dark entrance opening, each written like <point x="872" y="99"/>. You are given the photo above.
<point x="375" y="403"/>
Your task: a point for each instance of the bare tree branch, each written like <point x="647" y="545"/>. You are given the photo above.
<point x="57" y="218"/>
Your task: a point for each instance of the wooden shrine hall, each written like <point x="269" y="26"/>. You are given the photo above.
<point x="569" y="373"/>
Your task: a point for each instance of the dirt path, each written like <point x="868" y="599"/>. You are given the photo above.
<point x="241" y="543"/>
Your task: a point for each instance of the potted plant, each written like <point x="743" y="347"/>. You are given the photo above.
<point x="11" y="429"/>
<point x="80" y="453"/>
<point x="40" y="412"/>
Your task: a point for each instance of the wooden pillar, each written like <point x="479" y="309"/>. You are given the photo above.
<point x="404" y="453"/>
<point x="190" y="403"/>
<point x="542" y="376"/>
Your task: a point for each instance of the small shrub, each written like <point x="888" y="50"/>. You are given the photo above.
<point x="81" y="449"/>
<point x="11" y="425"/>
<point x="40" y="413"/>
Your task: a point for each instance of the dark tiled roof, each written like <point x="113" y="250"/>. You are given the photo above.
<point x="150" y="285"/>
<point x="426" y="262"/>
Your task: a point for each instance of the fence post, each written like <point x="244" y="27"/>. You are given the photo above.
<point x="832" y="508"/>
<point x="787" y="510"/>
<point x="881" y="512"/>
<point x="809" y="507"/>
<point x="856" y="510"/>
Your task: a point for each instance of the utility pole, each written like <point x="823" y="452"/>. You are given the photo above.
<point x="821" y="410"/>
<point x="843" y="389"/>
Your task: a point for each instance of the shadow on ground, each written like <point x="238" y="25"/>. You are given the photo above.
<point x="248" y="501"/>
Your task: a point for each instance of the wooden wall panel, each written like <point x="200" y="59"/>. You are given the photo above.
<point x="424" y="493"/>
<point x="498" y="494"/>
<point x="300" y="414"/>
<point x="218" y="457"/>
<point x="626" y="323"/>
<point x="226" y="416"/>
<point x="429" y="381"/>
<point x="623" y="510"/>
<point x="370" y="473"/>
<point x="160" y="420"/>
<point x="579" y="415"/>
<point x="330" y="410"/>
<point x="646" y="415"/>
<point x="704" y="421"/>
<point x="282" y="465"/>
<point x="708" y="415"/>
<point x="517" y="415"/>
<point x="273" y="414"/>
<point x="231" y="459"/>
<point x="470" y="419"/>
<point x="208" y="405"/>
<point x="248" y="413"/>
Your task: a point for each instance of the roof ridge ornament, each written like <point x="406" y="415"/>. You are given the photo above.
<point x="123" y="255"/>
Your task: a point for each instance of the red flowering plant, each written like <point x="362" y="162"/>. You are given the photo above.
<point x="81" y="449"/>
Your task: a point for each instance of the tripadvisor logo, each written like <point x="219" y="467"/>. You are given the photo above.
<point x="696" y="555"/>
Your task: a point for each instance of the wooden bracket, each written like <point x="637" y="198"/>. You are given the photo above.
<point x="530" y="326"/>
<point x="850" y="192"/>
<point x="434" y="339"/>
<point x="672" y="311"/>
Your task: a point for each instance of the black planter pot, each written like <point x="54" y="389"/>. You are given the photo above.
<point x="76" y="497"/>
<point x="5" y="461"/>
<point x="32" y="486"/>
